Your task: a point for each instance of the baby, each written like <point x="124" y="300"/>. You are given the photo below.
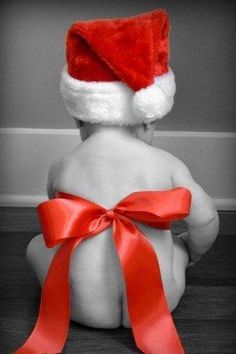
<point x="116" y="89"/>
<point x="112" y="162"/>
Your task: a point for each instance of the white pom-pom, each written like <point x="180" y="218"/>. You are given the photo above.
<point x="149" y="103"/>
<point x="167" y="83"/>
<point x="156" y="100"/>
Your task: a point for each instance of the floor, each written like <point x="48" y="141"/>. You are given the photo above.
<point x="205" y="317"/>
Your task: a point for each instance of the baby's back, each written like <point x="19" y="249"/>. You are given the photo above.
<point x="105" y="171"/>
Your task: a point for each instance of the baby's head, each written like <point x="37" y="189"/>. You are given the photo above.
<point x="117" y="72"/>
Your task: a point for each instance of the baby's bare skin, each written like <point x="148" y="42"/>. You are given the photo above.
<point x="108" y="166"/>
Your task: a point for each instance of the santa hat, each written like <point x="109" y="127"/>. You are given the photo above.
<point x="117" y="70"/>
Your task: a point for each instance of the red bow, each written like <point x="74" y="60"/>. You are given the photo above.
<point x="68" y="220"/>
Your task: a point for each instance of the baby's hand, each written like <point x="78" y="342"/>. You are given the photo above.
<point x="194" y="256"/>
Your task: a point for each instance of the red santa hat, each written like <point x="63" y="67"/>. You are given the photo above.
<point x="117" y="70"/>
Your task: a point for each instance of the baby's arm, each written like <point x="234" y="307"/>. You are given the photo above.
<point x="203" y="221"/>
<point x="50" y="189"/>
<point x="53" y="173"/>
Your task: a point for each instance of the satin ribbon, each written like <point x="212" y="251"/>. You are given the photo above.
<point x="68" y="220"/>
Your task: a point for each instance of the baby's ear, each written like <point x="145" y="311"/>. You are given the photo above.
<point x="79" y="123"/>
<point x="147" y="126"/>
<point x="150" y="125"/>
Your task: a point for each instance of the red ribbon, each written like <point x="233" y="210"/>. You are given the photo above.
<point x="68" y="220"/>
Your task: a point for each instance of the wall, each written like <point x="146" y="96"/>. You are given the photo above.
<point x="35" y="128"/>
<point x="202" y="57"/>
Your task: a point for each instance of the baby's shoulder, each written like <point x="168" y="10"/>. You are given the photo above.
<point x="56" y="166"/>
<point x="60" y="172"/>
<point x="166" y="158"/>
<point x="61" y="164"/>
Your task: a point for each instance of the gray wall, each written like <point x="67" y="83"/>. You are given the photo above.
<point x="202" y="57"/>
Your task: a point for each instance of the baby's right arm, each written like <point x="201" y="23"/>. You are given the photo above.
<point x="203" y="220"/>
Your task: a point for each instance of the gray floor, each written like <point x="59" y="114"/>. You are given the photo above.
<point x="205" y="317"/>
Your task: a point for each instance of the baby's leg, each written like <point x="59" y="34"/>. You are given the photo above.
<point x="93" y="302"/>
<point x="180" y="262"/>
<point x="40" y="257"/>
<point x="175" y="289"/>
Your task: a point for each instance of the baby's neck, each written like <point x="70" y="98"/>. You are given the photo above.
<point x="112" y="132"/>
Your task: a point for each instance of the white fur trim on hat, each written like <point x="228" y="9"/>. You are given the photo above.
<point x="114" y="103"/>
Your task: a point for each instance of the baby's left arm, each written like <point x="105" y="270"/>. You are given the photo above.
<point x="52" y="174"/>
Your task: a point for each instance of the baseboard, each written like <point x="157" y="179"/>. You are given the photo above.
<point x="27" y="201"/>
<point x="33" y="200"/>
<point x="27" y="153"/>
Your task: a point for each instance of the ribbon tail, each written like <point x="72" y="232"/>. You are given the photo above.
<point x="51" y="329"/>
<point x="151" y="321"/>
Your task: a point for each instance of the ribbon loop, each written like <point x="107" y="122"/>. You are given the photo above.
<point x="157" y="209"/>
<point x="70" y="219"/>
